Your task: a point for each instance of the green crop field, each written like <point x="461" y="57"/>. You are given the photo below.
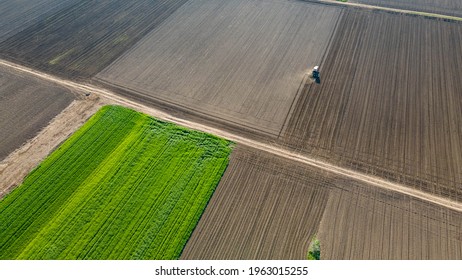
<point x="124" y="186"/>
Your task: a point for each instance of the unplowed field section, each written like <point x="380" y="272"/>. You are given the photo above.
<point x="240" y="61"/>
<point x="446" y="7"/>
<point x="263" y="208"/>
<point x="362" y="222"/>
<point x="16" y="15"/>
<point x="124" y="186"/>
<point x="27" y="104"/>
<point x="81" y="40"/>
<point x="389" y="102"/>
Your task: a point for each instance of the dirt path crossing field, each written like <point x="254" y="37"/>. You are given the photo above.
<point x="300" y="158"/>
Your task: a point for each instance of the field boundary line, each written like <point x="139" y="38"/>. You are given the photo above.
<point x="386" y="9"/>
<point x="272" y="149"/>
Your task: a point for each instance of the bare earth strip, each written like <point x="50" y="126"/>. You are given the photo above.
<point x="448" y="10"/>
<point x="19" y="163"/>
<point x="301" y="158"/>
<point x="241" y="61"/>
<point x="445" y="7"/>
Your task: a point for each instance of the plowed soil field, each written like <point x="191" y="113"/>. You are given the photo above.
<point x="16" y="15"/>
<point x="27" y="104"/>
<point x="361" y="222"/>
<point x="269" y="208"/>
<point x="389" y="102"/>
<point x="239" y="61"/>
<point x="263" y="208"/>
<point x="82" y="39"/>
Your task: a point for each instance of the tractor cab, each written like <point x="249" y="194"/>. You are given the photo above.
<point x="315" y="74"/>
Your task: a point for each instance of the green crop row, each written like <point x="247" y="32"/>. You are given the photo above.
<point x="124" y="186"/>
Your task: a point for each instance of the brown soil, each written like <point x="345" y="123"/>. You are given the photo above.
<point x="81" y="39"/>
<point x="27" y="104"/>
<point x="239" y="61"/>
<point x="265" y="207"/>
<point x="363" y="222"/>
<point x="389" y="102"/>
<point x="19" y="14"/>
<point x="18" y="164"/>
<point x="242" y="138"/>
<point x="377" y="115"/>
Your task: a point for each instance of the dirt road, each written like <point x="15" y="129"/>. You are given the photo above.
<point x="393" y="10"/>
<point x="375" y="181"/>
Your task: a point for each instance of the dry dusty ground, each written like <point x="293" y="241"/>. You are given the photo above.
<point x="241" y="61"/>
<point x="264" y="208"/>
<point x="389" y="102"/>
<point x="27" y="104"/>
<point x="16" y="15"/>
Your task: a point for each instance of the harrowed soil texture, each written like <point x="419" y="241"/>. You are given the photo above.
<point x="27" y="105"/>
<point x="81" y="39"/>
<point x="389" y="103"/>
